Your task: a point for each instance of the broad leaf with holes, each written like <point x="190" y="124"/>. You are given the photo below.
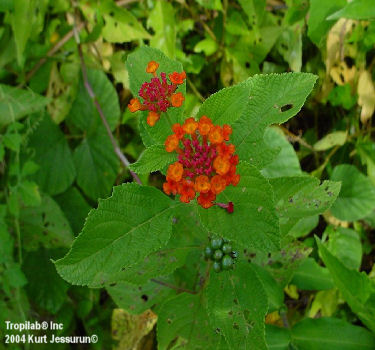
<point x="273" y="99"/>
<point x="237" y="305"/>
<point x="254" y="221"/>
<point x="134" y="222"/>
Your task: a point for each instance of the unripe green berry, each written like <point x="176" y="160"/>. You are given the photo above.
<point x="227" y="262"/>
<point x="218" y="255"/>
<point x="208" y="252"/>
<point x="227" y="248"/>
<point x="216" y="266"/>
<point x="216" y="243"/>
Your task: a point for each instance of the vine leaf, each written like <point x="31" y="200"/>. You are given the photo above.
<point x="134" y="222"/>
<point x="237" y="305"/>
<point x="254" y="222"/>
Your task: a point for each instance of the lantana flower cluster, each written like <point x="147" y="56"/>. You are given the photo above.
<point x="158" y="95"/>
<point x="206" y="162"/>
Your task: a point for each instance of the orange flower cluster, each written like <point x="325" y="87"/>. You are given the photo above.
<point x="206" y="162"/>
<point x="158" y="95"/>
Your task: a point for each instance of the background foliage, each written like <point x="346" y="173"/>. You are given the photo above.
<point x="56" y="162"/>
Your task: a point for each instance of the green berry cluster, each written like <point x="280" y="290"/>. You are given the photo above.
<point x="220" y="252"/>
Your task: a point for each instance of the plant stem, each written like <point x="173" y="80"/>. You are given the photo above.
<point x="19" y="243"/>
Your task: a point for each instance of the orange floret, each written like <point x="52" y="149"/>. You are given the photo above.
<point x="152" y="67"/>
<point x="170" y="187"/>
<point x="221" y="165"/>
<point x="190" y="126"/>
<point x="175" y="172"/>
<point x="134" y="105"/>
<point x="204" y="125"/>
<point x="177" y="99"/>
<point x="202" y="184"/>
<point x="171" y="143"/>
<point x="186" y="191"/>
<point x="227" y="131"/>
<point x="152" y="118"/>
<point x="216" y="135"/>
<point x="178" y="130"/>
<point x="218" y="184"/>
<point x="177" y="78"/>
<point x="206" y="199"/>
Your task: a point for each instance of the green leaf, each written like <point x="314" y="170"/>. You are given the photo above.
<point x="45" y="288"/>
<point x="210" y="4"/>
<point x="356" y="287"/>
<point x="161" y="19"/>
<point x="330" y="333"/>
<point x="336" y="138"/>
<point x="152" y="159"/>
<point x="357" y="196"/>
<point x="310" y="276"/>
<point x="366" y="151"/>
<point x="301" y="196"/>
<point x="12" y="141"/>
<point x="274" y="98"/>
<point x="136" y="65"/>
<point x="345" y="244"/>
<point x="120" y="25"/>
<point x="356" y="9"/>
<point x="45" y="225"/>
<point x="134" y="222"/>
<point x="83" y="113"/>
<point x="341" y="95"/>
<point x="29" y="193"/>
<point x="277" y="338"/>
<point x="254" y="222"/>
<point x="286" y="163"/>
<point x="208" y="46"/>
<point x="16" y="103"/>
<point x="237" y="305"/>
<point x="318" y="26"/>
<point x="96" y="164"/>
<point x="74" y="207"/>
<point x="52" y="153"/>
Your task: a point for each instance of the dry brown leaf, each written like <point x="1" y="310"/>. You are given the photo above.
<point x="366" y="95"/>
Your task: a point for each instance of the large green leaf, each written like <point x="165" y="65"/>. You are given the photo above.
<point x="331" y="333"/>
<point x="183" y="324"/>
<point x="97" y="165"/>
<point x="357" y="195"/>
<point x="254" y="222"/>
<point x="134" y="222"/>
<point x="237" y="305"/>
<point x="356" y="9"/>
<point x="162" y="21"/>
<point x="152" y="159"/>
<point x="277" y="338"/>
<point x="136" y="65"/>
<point x="318" y="26"/>
<point x="274" y="98"/>
<point x="52" y="153"/>
<point x="356" y="288"/>
<point x="16" y="103"/>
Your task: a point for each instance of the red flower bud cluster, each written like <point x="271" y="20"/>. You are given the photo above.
<point x="206" y="163"/>
<point x="158" y="94"/>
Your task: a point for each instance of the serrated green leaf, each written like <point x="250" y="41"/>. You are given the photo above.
<point x="237" y="305"/>
<point x="318" y="26"/>
<point x="161" y="19"/>
<point x="183" y="321"/>
<point x="331" y="333"/>
<point x="356" y="9"/>
<point x="356" y="287"/>
<point x="45" y="225"/>
<point x="136" y="65"/>
<point x="286" y="163"/>
<point x="134" y="222"/>
<point x="16" y="103"/>
<point x="97" y="165"/>
<point x="310" y="276"/>
<point x="301" y="196"/>
<point x="274" y="98"/>
<point x="254" y="222"/>
<point x="357" y="196"/>
<point x="152" y="159"/>
<point x="52" y="153"/>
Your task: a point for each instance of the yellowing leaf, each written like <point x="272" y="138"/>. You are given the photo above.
<point x="366" y="95"/>
<point x="336" y="138"/>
